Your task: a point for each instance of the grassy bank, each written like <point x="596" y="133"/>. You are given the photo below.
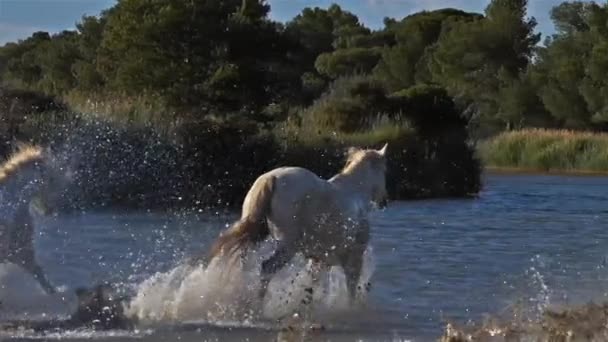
<point x="546" y="150"/>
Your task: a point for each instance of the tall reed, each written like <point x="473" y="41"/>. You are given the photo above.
<point x="547" y="150"/>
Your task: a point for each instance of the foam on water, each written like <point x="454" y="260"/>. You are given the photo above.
<point x="219" y="293"/>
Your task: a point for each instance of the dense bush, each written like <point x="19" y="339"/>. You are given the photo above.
<point x="351" y="104"/>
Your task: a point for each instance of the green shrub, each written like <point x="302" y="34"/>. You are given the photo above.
<point x="351" y="104"/>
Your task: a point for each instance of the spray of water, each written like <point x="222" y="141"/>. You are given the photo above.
<point x="540" y="300"/>
<point x="219" y="294"/>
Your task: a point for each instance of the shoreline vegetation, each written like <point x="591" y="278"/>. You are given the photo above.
<point x="546" y="151"/>
<point x="492" y="170"/>
<point x="211" y="163"/>
<point x="182" y="104"/>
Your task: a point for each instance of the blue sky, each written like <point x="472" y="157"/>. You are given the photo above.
<point x="19" y="18"/>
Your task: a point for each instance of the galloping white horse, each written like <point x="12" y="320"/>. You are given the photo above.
<point x="325" y="220"/>
<point x="30" y="174"/>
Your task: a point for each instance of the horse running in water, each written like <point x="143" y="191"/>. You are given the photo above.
<point x="31" y="175"/>
<point x="325" y="220"/>
<point x="35" y="175"/>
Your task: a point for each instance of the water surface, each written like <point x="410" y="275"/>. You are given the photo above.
<point x="528" y="240"/>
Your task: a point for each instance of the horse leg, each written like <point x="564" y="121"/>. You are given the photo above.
<point x="281" y="256"/>
<point x="315" y="269"/>
<point x="353" y="260"/>
<point x="42" y="279"/>
<point x="352" y="269"/>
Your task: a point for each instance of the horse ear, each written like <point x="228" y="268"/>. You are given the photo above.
<point x="350" y="151"/>
<point x="382" y="151"/>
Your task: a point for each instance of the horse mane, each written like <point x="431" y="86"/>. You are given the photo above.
<point x="356" y="156"/>
<point x="24" y="157"/>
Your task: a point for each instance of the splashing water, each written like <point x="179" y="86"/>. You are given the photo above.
<point x="542" y="298"/>
<point x="219" y="294"/>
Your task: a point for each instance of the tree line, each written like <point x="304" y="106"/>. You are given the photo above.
<point x="229" y="72"/>
<point x="226" y="58"/>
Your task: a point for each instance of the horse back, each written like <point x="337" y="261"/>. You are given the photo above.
<point x="291" y="183"/>
<point x="293" y="186"/>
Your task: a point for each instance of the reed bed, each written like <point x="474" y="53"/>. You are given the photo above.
<point x="547" y="150"/>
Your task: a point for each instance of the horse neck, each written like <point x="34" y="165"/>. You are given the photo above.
<point x="354" y="183"/>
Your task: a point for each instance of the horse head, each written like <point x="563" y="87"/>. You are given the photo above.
<point x="369" y="165"/>
<point x="378" y="180"/>
<point x="51" y="176"/>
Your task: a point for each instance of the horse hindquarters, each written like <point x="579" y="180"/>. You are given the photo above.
<point x="252" y="227"/>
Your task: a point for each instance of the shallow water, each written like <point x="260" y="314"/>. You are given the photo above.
<point x="530" y="241"/>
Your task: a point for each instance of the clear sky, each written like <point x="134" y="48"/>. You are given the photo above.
<point x="19" y="18"/>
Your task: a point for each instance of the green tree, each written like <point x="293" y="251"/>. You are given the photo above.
<point x="214" y="55"/>
<point x="474" y="60"/>
<point x="351" y="104"/>
<point x="345" y="62"/>
<point x="18" y="61"/>
<point x="568" y="69"/>
<point x="55" y="59"/>
<point x="571" y="17"/>
<point x="404" y="63"/>
<point x="331" y="43"/>
<point x="90" y="34"/>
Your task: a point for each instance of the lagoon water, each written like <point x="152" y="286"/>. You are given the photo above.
<point x="528" y="241"/>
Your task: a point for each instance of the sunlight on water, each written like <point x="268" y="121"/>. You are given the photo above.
<point x="219" y="293"/>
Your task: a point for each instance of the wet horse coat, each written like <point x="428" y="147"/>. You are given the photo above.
<point x="325" y="220"/>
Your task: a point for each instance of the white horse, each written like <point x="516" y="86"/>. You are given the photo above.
<point x="325" y="220"/>
<point x="33" y="179"/>
<point x="30" y="176"/>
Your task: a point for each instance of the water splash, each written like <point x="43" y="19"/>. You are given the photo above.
<point x="541" y="299"/>
<point x="218" y="294"/>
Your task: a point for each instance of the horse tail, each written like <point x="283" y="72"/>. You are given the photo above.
<point x="252" y="227"/>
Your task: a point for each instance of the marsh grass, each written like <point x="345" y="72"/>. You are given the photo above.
<point x="547" y="150"/>
<point x="379" y="134"/>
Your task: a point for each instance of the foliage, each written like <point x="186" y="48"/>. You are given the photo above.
<point x="213" y="73"/>
<point x="548" y="150"/>
<point x="127" y="164"/>
<point x="476" y="60"/>
<point x="239" y="62"/>
<point x="405" y="63"/>
<point x="351" y="104"/>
